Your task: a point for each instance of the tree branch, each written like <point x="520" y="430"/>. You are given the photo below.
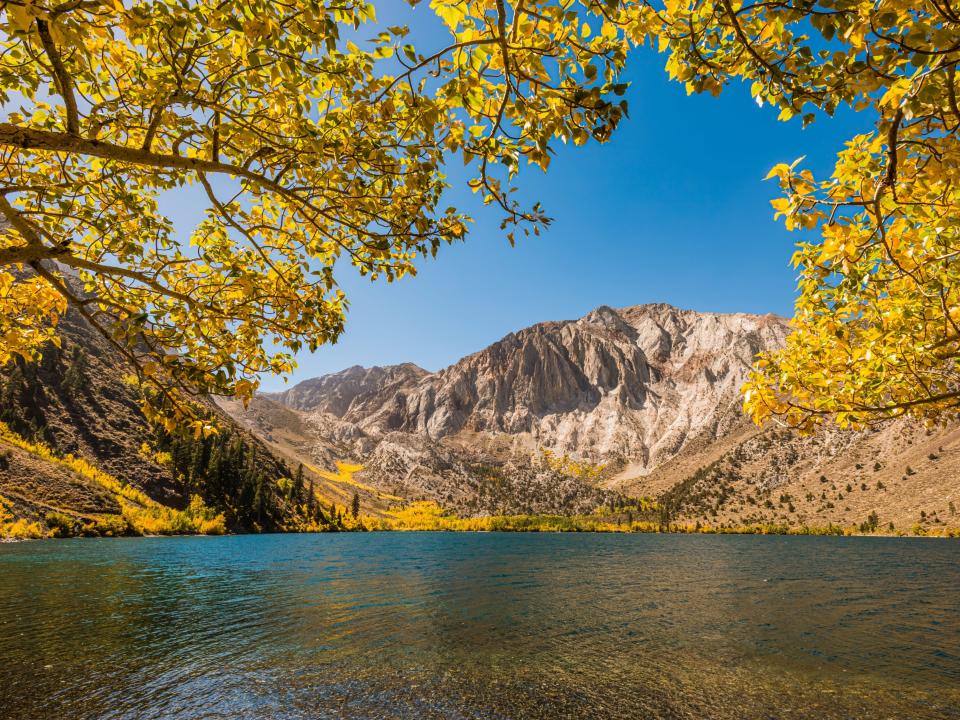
<point x="34" y="250"/>
<point x="60" y="76"/>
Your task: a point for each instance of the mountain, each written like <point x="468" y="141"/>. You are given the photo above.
<point x="630" y="386"/>
<point x="558" y="418"/>
<point x="648" y="393"/>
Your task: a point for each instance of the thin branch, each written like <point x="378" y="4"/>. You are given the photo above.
<point x="60" y="76"/>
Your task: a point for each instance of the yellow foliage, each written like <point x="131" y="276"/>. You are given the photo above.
<point x="29" y="311"/>
<point x="570" y="467"/>
<point x="429" y="516"/>
<point x="424" y="515"/>
<point x="337" y="156"/>
<point x="162" y="458"/>
<point x="344" y="476"/>
<point x="141" y="513"/>
<point x="877" y="319"/>
<point x="22" y="530"/>
<point x="876" y="326"/>
<point x="5" y="514"/>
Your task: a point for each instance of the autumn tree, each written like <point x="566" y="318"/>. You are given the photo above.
<point x="317" y="138"/>
<point x="876" y="331"/>
<point x="314" y="138"/>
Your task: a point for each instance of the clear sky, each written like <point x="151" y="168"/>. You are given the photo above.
<point x="673" y="209"/>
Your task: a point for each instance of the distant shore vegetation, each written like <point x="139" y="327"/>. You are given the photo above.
<point x="428" y="516"/>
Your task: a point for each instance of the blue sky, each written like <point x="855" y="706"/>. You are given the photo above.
<point x="673" y="209"/>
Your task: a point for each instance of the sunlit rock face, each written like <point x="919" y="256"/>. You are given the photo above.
<point x="348" y="390"/>
<point x="635" y="384"/>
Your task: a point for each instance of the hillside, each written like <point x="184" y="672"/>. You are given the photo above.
<point x="77" y="403"/>
<point x="642" y="401"/>
<point x="559" y="418"/>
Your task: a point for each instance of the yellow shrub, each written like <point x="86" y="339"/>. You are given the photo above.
<point x="113" y="526"/>
<point x="566" y="465"/>
<point x="5" y="514"/>
<point x="156" y="519"/>
<point x="22" y="530"/>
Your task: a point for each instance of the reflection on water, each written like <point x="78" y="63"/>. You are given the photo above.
<point x="480" y="626"/>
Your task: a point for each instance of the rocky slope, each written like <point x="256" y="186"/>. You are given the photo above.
<point x="399" y="467"/>
<point x="651" y="392"/>
<point x="901" y="475"/>
<point x="637" y="384"/>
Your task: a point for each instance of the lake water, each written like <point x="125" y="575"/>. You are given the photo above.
<point x="433" y="625"/>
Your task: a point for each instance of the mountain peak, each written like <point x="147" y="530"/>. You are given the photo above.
<point x="637" y="383"/>
<point x="335" y="393"/>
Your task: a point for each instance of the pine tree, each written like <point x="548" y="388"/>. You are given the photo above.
<point x="355" y="505"/>
<point x="75" y="376"/>
<point x="197" y="463"/>
<point x="214" y="471"/>
<point x="11" y="393"/>
<point x="259" y="501"/>
<point x="298" y="484"/>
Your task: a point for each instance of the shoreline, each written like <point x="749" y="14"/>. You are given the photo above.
<point x="945" y="534"/>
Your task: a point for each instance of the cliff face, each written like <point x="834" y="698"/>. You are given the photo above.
<point x="349" y="391"/>
<point x="636" y="384"/>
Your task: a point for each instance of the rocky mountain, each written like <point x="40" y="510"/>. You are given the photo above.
<point x="562" y="418"/>
<point x="349" y="391"/>
<point x="635" y="385"/>
<point x="649" y="393"/>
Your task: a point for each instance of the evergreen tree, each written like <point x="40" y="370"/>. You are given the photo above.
<point x="11" y="392"/>
<point x="298" y="484"/>
<point x="75" y="376"/>
<point x="260" y="501"/>
<point x="319" y="515"/>
<point x="355" y="505"/>
<point x="197" y="463"/>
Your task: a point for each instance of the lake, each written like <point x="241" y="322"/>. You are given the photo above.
<point x="434" y="625"/>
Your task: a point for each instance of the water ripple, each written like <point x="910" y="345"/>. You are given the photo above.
<point x="480" y="626"/>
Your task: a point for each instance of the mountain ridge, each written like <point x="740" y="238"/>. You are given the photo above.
<point x="554" y="380"/>
<point x="609" y="411"/>
<point x="650" y="396"/>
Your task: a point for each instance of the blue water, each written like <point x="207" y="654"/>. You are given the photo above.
<point x="433" y="625"/>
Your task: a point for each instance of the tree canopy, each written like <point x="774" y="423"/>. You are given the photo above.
<point x="310" y="141"/>
<point x="319" y="137"/>
<point x="876" y="331"/>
